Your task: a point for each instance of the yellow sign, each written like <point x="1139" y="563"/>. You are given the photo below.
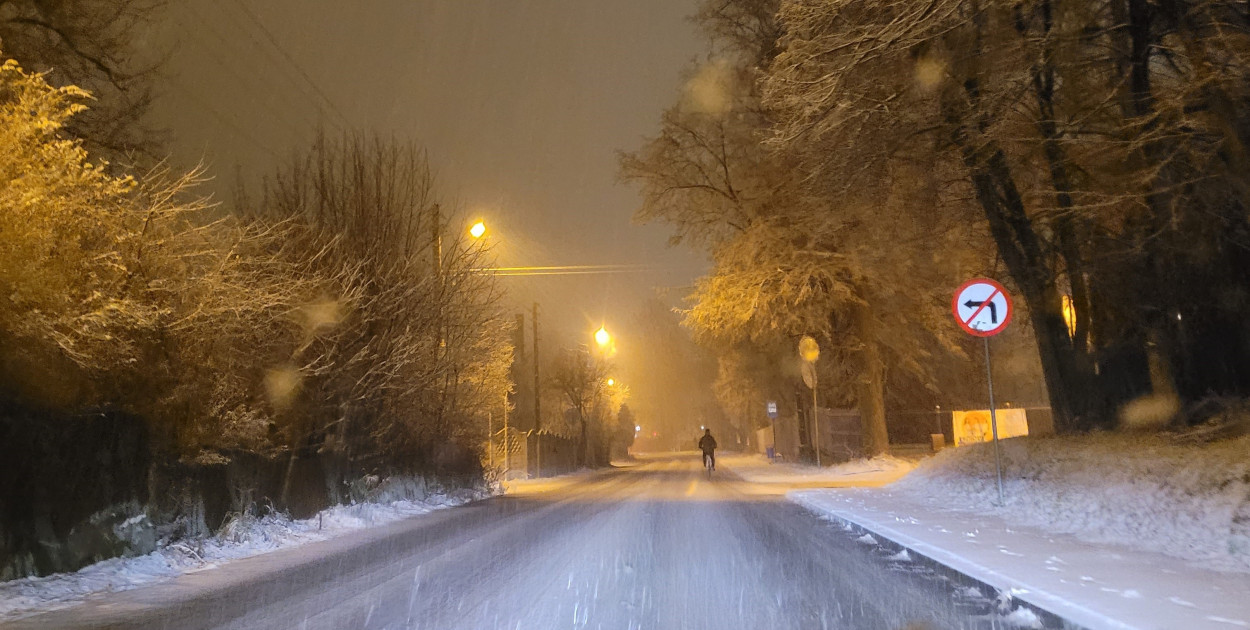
<point x="809" y="349"/>
<point x="970" y="427"/>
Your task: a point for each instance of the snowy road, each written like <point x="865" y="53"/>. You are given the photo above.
<point x="650" y="546"/>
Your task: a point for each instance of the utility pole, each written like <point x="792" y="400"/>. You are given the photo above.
<point x="538" y="396"/>
<point x="436" y="242"/>
<point x="507" y="452"/>
<point x="436" y="252"/>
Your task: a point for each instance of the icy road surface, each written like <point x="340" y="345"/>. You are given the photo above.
<point x="649" y="546"/>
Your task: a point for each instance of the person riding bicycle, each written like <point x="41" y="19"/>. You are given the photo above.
<point x="707" y="444"/>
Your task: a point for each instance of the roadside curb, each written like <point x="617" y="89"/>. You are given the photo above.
<point x="932" y="557"/>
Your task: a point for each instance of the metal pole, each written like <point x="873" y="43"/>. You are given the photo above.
<point x="773" y="423"/>
<point x="538" y="396"/>
<point x="989" y="379"/>
<point x="436" y="241"/>
<point x="507" y="451"/>
<point x="815" y="416"/>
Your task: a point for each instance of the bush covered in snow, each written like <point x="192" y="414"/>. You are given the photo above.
<point x="244" y="534"/>
<point x="1169" y="493"/>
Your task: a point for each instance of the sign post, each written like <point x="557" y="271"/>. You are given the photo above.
<point x="983" y="309"/>
<point x="772" y="421"/>
<point x="809" y="351"/>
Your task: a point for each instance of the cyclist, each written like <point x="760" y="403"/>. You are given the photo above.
<point x="707" y="444"/>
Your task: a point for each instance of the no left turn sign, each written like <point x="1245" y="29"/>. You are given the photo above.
<point x="982" y="307"/>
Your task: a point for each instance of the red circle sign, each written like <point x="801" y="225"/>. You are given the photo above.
<point x="982" y="307"/>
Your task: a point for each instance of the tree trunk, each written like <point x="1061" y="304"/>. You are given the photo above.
<point x="870" y="396"/>
<point x="1069" y="231"/>
<point x="1021" y="251"/>
<point x="584" y="450"/>
<point x="1017" y="242"/>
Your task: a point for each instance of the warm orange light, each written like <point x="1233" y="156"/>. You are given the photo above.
<point x="809" y="349"/>
<point x="611" y="382"/>
<point x="602" y="337"/>
<point x="478" y="229"/>
<point x="1069" y="315"/>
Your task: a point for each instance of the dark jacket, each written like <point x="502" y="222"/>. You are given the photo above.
<point x="707" y="443"/>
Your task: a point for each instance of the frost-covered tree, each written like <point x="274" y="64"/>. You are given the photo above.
<point x="406" y="347"/>
<point x="100" y="46"/>
<point x="122" y="291"/>
<point x="1096" y="139"/>
<point x="793" y="255"/>
<point x="581" y="380"/>
<point x="62" y="273"/>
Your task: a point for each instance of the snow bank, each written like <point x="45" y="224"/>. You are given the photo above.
<point x="241" y="537"/>
<point x="758" y="469"/>
<point x="1146" y="491"/>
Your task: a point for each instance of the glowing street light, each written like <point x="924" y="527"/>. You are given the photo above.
<point x="1069" y="315"/>
<point x="478" y="229"/>
<point x="611" y="382"/>
<point x="602" y="337"/>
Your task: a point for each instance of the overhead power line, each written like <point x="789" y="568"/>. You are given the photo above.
<point x="222" y="118"/>
<point x="249" y="81"/>
<point x="273" y="41"/>
<point x="566" y="270"/>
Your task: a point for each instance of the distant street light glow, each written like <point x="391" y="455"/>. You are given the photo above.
<point x="611" y="382"/>
<point x="478" y="229"/>
<point x="602" y="337"/>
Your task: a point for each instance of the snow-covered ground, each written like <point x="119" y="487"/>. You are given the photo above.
<point x="655" y="546"/>
<point x="1144" y="491"/>
<point x="865" y="472"/>
<point x="1110" y="530"/>
<point x="240" y="538"/>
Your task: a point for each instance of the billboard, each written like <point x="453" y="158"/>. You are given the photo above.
<point x="970" y="427"/>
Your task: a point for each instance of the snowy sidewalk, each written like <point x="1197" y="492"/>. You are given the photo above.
<point x="1095" y="586"/>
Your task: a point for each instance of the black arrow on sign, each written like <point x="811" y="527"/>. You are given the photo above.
<point x="993" y="309"/>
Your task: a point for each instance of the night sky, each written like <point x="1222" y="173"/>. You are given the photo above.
<point x="521" y="105"/>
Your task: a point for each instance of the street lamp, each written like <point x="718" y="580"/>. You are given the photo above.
<point x="478" y="229"/>
<point x="602" y="337"/>
<point x="611" y="382"/>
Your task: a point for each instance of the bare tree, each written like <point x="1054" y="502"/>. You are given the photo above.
<point x="419" y="347"/>
<point x="582" y="380"/>
<point x="96" y="45"/>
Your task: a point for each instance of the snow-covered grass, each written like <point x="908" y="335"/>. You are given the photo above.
<point x="757" y="469"/>
<point x="241" y="537"/>
<point x="1153" y="491"/>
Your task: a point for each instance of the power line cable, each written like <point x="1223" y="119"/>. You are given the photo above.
<point x="264" y="57"/>
<point x="294" y="64"/>
<point x="222" y="118"/>
<point x="282" y="115"/>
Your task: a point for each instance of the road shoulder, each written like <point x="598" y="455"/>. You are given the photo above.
<point x="1089" y="585"/>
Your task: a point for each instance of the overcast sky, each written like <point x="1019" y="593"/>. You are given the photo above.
<point x="522" y="106"/>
